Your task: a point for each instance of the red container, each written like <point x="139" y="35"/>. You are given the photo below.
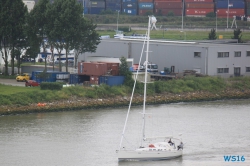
<point x="89" y="68"/>
<point x="222" y="13"/>
<point x="198" y="12"/>
<point x="112" y="68"/>
<point x="139" y="1"/>
<point x="199" y="1"/>
<point x="177" y="12"/>
<point x="168" y="5"/>
<point x="197" y="5"/>
<point x="144" y="12"/>
<point x="93" y="80"/>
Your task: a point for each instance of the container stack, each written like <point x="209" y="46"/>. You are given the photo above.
<point x="248" y="8"/>
<point x="95" y="7"/>
<point x="233" y="8"/>
<point x="113" y="5"/>
<point x="199" y="8"/>
<point x="129" y="7"/>
<point x="145" y="7"/>
<point x="165" y="7"/>
<point x="86" y="6"/>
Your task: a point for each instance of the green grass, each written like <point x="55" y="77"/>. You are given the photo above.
<point x="177" y="35"/>
<point x="26" y="95"/>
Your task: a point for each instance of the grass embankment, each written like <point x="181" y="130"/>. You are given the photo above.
<point x="177" y="35"/>
<point x="14" y="100"/>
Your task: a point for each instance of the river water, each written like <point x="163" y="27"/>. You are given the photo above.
<point x="210" y="131"/>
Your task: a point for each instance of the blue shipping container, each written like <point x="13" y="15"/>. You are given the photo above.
<point x="86" y="10"/>
<point x="113" y="4"/>
<point x="130" y="11"/>
<point x="146" y="5"/>
<point x="95" y="10"/>
<point x="113" y="1"/>
<point x="129" y="5"/>
<point x="129" y="1"/>
<point x="73" y="79"/>
<point x="231" y="4"/>
<point x="111" y="80"/>
<point x="115" y="9"/>
<point x="51" y="76"/>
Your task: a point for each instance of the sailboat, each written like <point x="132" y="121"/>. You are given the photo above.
<point x="156" y="148"/>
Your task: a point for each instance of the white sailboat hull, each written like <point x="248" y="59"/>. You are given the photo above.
<point x="148" y="155"/>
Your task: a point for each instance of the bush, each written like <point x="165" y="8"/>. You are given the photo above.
<point x="51" y="86"/>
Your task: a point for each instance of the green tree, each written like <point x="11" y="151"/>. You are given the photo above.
<point x="237" y="35"/>
<point x="211" y="15"/>
<point x="212" y="35"/>
<point x="124" y="71"/>
<point x="36" y="29"/>
<point x="12" y="21"/>
<point x="87" y="40"/>
<point x="64" y="25"/>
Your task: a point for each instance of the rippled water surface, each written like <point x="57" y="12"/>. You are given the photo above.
<point x="210" y="131"/>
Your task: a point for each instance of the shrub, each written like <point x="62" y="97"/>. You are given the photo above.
<point x="51" y="86"/>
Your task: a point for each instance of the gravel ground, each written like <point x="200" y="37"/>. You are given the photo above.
<point x="12" y="82"/>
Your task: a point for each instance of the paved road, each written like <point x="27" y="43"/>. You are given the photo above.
<point x="12" y="82"/>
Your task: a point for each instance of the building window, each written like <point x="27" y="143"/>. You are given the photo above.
<point x="223" y="54"/>
<point x="247" y="69"/>
<point x="237" y="54"/>
<point x="197" y="54"/>
<point x="222" y="70"/>
<point x="248" y="53"/>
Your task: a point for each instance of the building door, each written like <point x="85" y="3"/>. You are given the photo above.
<point x="237" y="71"/>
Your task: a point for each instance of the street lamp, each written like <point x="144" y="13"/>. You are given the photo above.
<point x="182" y="14"/>
<point x="184" y="33"/>
<point x="227" y="12"/>
<point x="117" y="18"/>
<point x="216" y="21"/>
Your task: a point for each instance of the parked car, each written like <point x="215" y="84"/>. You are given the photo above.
<point x="23" y="77"/>
<point x="31" y="83"/>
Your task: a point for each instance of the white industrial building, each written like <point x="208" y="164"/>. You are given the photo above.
<point x="214" y="58"/>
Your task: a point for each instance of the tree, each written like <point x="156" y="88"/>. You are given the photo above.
<point x="124" y="71"/>
<point x="12" y="21"/>
<point x="35" y="30"/>
<point x="211" y="15"/>
<point x="63" y="27"/>
<point x="237" y="35"/>
<point x="88" y="39"/>
<point x="212" y="35"/>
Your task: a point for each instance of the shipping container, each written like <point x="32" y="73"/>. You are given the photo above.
<point x="114" y="1"/>
<point x="198" y="1"/>
<point x="112" y="68"/>
<point x="86" y="10"/>
<point x="248" y="5"/>
<point x="88" y="68"/>
<point x="145" y="12"/>
<point x="99" y="4"/>
<point x="131" y="1"/>
<point x="113" y="5"/>
<point x="130" y="11"/>
<point x="50" y="76"/>
<point x="168" y="1"/>
<point x="231" y="4"/>
<point x="129" y="5"/>
<point x="94" y="80"/>
<point x="168" y="5"/>
<point x="198" y="12"/>
<point x="111" y="80"/>
<point x="139" y="1"/>
<point x="73" y="79"/>
<point x="232" y="12"/>
<point x="197" y="5"/>
<point x="146" y="5"/>
<point x="177" y="12"/>
<point x="114" y="9"/>
<point x="95" y="10"/>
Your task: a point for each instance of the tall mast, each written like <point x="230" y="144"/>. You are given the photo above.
<point x="145" y="81"/>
